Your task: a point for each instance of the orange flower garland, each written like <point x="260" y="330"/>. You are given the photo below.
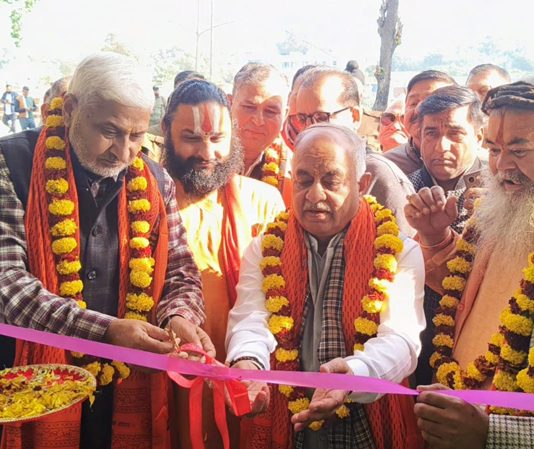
<point x="387" y="246"/>
<point x="507" y="358"/>
<point x="271" y="171"/>
<point x="64" y="230"/>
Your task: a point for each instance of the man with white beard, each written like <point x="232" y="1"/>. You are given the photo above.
<point x="485" y="321"/>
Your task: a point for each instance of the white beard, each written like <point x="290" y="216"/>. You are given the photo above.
<point x="505" y="220"/>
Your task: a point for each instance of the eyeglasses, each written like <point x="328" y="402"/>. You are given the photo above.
<point x="387" y="118"/>
<point x="317" y="117"/>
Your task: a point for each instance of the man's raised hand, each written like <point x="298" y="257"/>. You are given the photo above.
<point x="430" y="213"/>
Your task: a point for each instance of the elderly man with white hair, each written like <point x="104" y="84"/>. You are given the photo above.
<point x="333" y="287"/>
<point x="93" y="247"/>
<point x="485" y="320"/>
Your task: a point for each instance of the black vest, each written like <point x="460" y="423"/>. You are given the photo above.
<point x="98" y="224"/>
<point x="99" y="252"/>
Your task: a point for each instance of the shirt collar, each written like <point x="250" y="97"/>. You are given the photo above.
<point x="460" y="184"/>
<point x="313" y="245"/>
<point x="254" y="164"/>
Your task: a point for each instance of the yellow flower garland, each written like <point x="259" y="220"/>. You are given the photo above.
<point x="63" y="213"/>
<point x="270" y="170"/>
<point x="507" y="352"/>
<point x="387" y="248"/>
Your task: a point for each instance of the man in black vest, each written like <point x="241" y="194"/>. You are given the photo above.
<point x="106" y="112"/>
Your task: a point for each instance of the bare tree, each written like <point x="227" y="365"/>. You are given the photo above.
<point x="390" y="31"/>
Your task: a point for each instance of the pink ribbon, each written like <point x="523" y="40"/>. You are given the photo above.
<point x="522" y="401"/>
<point x="237" y="392"/>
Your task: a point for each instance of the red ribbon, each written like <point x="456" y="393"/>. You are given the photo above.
<point x="237" y="392"/>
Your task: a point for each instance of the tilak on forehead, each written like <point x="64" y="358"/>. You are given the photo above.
<point x="499" y="138"/>
<point x="208" y="119"/>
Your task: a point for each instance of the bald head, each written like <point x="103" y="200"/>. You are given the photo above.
<point x="338" y="84"/>
<point x="328" y="95"/>
<point x="327" y="180"/>
<point x="345" y="138"/>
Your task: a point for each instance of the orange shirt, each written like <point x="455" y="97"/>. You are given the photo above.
<point x="489" y="287"/>
<point x="203" y="220"/>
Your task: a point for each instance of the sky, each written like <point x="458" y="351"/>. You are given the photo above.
<point x="68" y="30"/>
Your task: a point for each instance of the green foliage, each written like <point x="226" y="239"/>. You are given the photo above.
<point x="20" y="8"/>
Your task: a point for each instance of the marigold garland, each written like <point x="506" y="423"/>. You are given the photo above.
<point x="61" y="207"/>
<point x="63" y="217"/>
<point x="140" y="227"/>
<point x="270" y="170"/>
<point x="387" y="248"/>
<point x="57" y="186"/>
<point x="507" y="359"/>
<point x="64" y="228"/>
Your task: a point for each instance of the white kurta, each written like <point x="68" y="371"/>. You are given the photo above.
<point x="391" y="355"/>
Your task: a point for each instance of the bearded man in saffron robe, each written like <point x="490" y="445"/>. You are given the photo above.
<point x="484" y="324"/>
<point x="221" y="210"/>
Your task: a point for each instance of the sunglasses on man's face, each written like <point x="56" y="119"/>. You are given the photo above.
<point x="387" y="118"/>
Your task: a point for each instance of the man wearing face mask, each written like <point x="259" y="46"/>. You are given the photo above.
<point x="408" y="156"/>
<point x="289" y="129"/>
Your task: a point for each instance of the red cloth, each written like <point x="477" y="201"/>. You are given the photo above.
<point x="391" y="418"/>
<point x="146" y="425"/>
<point x="232" y="236"/>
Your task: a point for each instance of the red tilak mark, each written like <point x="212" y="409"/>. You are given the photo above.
<point x="206" y="122"/>
<point x="499" y="139"/>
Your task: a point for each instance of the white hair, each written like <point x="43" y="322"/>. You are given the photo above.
<point x="108" y="76"/>
<point x="506" y="220"/>
<point x="254" y="73"/>
<point x="356" y="145"/>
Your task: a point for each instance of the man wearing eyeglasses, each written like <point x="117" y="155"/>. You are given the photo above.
<point x="392" y="132"/>
<point x="330" y="95"/>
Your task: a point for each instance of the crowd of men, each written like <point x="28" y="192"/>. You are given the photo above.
<point x="272" y="236"/>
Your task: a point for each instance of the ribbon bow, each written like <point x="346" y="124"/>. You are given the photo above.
<point x="237" y="392"/>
